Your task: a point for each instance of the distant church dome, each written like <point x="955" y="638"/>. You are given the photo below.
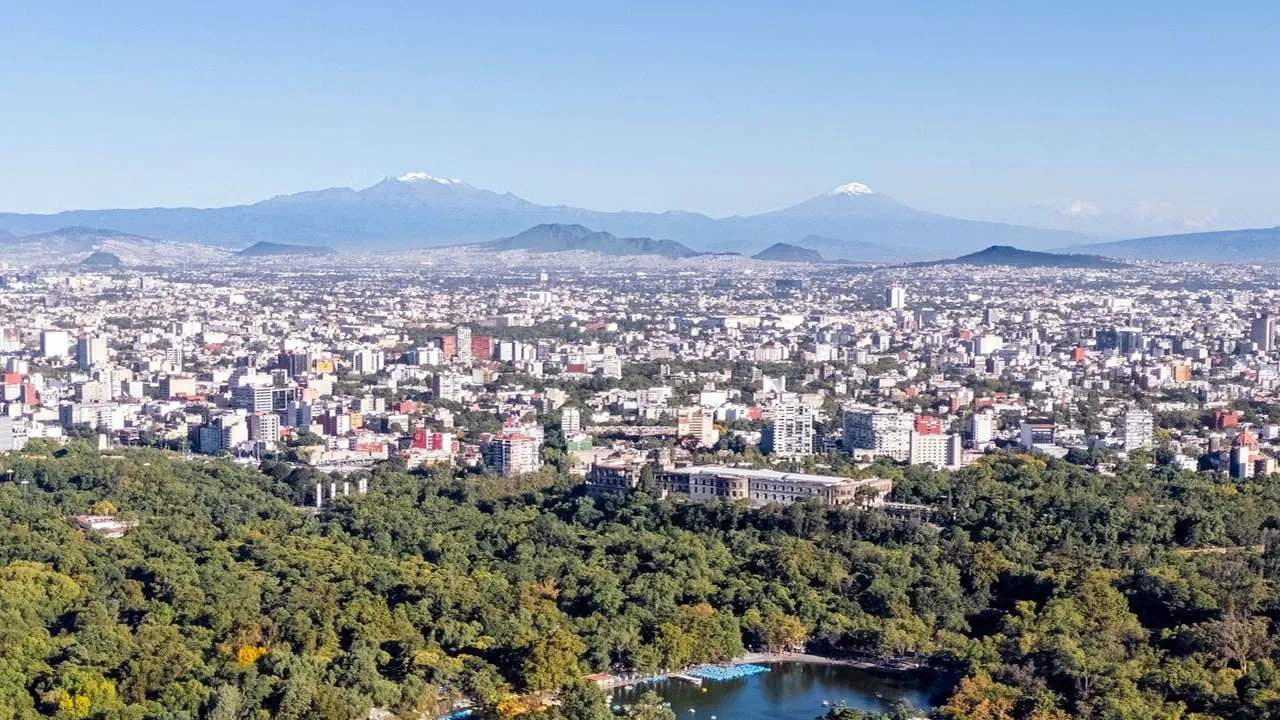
<point x="1245" y="439"/>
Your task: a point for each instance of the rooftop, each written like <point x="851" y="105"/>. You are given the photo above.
<point x="760" y="474"/>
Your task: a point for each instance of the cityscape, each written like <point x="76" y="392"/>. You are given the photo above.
<point x="758" y="383"/>
<point x="344" y="368"/>
<point x="595" y="361"/>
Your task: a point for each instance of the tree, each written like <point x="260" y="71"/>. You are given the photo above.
<point x="1239" y="637"/>
<point x="649" y="707"/>
<point x="978" y="697"/>
<point x="583" y="700"/>
<point x="552" y="660"/>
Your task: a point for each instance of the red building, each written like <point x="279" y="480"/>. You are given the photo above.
<point x="448" y="346"/>
<point x="1078" y="354"/>
<point x="1223" y="419"/>
<point x="426" y="440"/>
<point x="928" y="425"/>
<point x="481" y="347"/>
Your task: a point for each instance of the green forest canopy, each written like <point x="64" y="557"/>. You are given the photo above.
<point x="1056" y="593"/>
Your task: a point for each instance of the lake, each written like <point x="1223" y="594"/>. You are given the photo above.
<point x="790" y="691"/>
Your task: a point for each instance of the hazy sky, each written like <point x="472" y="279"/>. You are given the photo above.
<point x="720" y="107"/>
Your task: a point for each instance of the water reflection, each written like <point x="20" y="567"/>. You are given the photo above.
<point x="791" y="691"/>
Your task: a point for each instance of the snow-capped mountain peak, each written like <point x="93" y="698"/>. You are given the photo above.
<point x="853" y="188"/>
<point x="419" y="177"/>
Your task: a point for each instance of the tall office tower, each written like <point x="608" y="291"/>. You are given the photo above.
<point x="254" y="398"/>
<point x="1138" y="427"/>
<point x="790" y="433"/>
<point x="570" y="421"/>
<point x="294" y="363"/>
<point x="91" y="352"/>
<point x="463" y="338"/>
<point x="368" y="361"/>
<point x="1130" y="339"/>
<point x="895" y="298"/>
<point x="1262" y="331"/>
<point x="264" y="427"/>
<point x="883" y="431"/>
<point x="54" y="344"/>
<point x="982" y="428"/>
<point x="297" y="414"/>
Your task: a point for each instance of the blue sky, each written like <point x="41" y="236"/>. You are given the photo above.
<point x="722" y="107"/>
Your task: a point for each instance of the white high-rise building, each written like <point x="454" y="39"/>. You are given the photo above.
<point x="447" y="386"/>
<point x="790" y="433"/>
<point x="570" y="421"/>
<point x="54" y="344"/>
<point x="987" y="344"/>
<point x="463" y="337"/>
<point x="611" y="367"/>
<point x="982" y="428"/>
<point x="513" y="454"/>
<point x="895" y="298"/>
<point x="264" y="427"/>
<point x="254" y="398"/>
<point x="942" y="451"/>
<point x="368" y="361"/>
<point x="91" y="352"/>
<point x="425" y="356"/>
<point x="883" y="431"/>
<point x="1138" y="430"/>
<point x="700" y="423"/>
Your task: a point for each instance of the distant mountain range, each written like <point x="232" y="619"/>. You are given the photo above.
<point x="417" y="210"/>
<point x="270" y="249"/>
<point x="783" y="252"/>
<point x="553" y="237"/>
<point x="76" y="244"/>
<point x="1003" y="255"/>
<point x="1261" y="245"/>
